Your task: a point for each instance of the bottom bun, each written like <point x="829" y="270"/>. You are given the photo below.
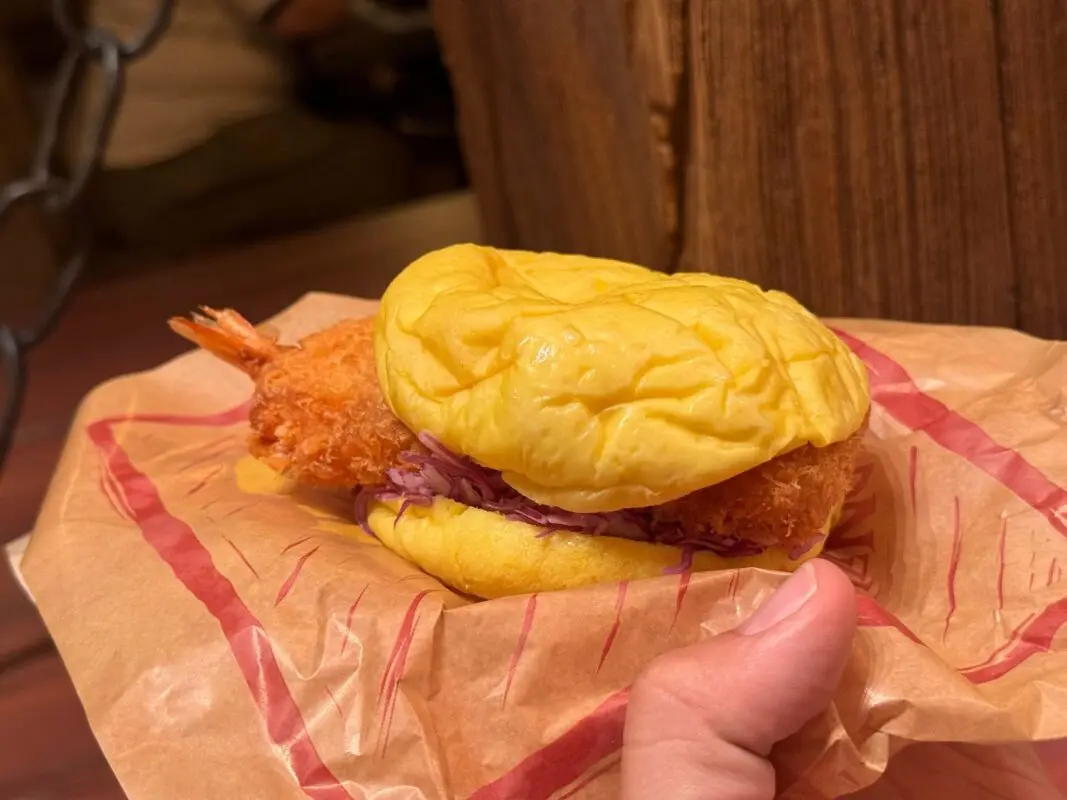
<point x="484" y="554"/>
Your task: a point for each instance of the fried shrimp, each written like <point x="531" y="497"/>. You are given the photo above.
<point x="780" y="502"/>
<point x="516" y="422"/>
<point x="317" y="414"/>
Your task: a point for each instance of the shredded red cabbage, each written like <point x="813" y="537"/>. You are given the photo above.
<point x="441" y="473"/>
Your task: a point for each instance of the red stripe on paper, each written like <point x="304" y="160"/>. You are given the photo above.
<point x="520" y="645"/>
<point x="620" y="602"/>
<point x="290" y="582"/>
<point x="351" y="615"/>
<point x="1000" y="562"/>
<point x="871" y="614"/>
<point x="913" y="477"/>
<point x="297" y="543"/>
<point x="394" y="685"/>
<point x="240" y="555"/>
<point x="683" y="587"/>
<point x="566" y="759"/>
<point x="178" y="547"/>
<point x="407" y="626"/>
<point x="895" y="391"/>
<point x="953" y="564"/>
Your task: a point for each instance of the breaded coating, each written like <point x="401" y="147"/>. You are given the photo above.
<point x="317" y="414"/>
<point x="786" y="501"/>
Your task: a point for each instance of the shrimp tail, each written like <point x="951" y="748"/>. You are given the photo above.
<point x="228" y="336"/>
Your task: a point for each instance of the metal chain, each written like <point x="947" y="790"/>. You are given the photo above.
<point x="57" y="191"/>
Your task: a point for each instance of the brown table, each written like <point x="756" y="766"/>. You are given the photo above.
<point x="118" y="327"/>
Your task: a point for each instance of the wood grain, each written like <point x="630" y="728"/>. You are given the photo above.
<point x="833" y="161"/>
<point x="885" y="158"/>
<point x="1033" y="53"/>
<point x="559" y="134"/>
<point x="658" y="50"/>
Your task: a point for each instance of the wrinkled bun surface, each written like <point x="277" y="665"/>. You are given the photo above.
<point x="595" y="385"/>
<point x="487" y="555"/>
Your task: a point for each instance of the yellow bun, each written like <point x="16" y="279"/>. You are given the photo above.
<point x="595" y="385"/>
<point x="487" y="555"/>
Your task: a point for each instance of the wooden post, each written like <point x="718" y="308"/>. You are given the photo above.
<point x="886" y="158"/>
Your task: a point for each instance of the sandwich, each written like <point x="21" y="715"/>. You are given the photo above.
<point x="516" y="422"/>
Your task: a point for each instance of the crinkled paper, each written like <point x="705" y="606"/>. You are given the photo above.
<point x="233" y="636"/>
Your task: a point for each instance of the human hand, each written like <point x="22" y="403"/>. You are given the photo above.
<point x="702" y="720"/>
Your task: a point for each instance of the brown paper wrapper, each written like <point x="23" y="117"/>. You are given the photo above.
<point x="233" y="636"/>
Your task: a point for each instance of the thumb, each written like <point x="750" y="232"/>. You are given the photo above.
<point x="702" y="720"/>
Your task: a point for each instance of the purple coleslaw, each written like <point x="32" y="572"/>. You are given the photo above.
<point x="439" y="472"/>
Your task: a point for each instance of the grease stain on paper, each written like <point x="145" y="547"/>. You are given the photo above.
<point x="256" y="478"/>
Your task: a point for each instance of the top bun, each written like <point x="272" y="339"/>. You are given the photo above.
<point x="594" y="385"/>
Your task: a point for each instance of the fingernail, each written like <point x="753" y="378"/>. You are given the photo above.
<point x="786" y="601"/>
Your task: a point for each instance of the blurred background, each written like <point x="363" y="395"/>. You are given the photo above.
<point x="247" y="119"/>
<point x="901" y="159"/>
